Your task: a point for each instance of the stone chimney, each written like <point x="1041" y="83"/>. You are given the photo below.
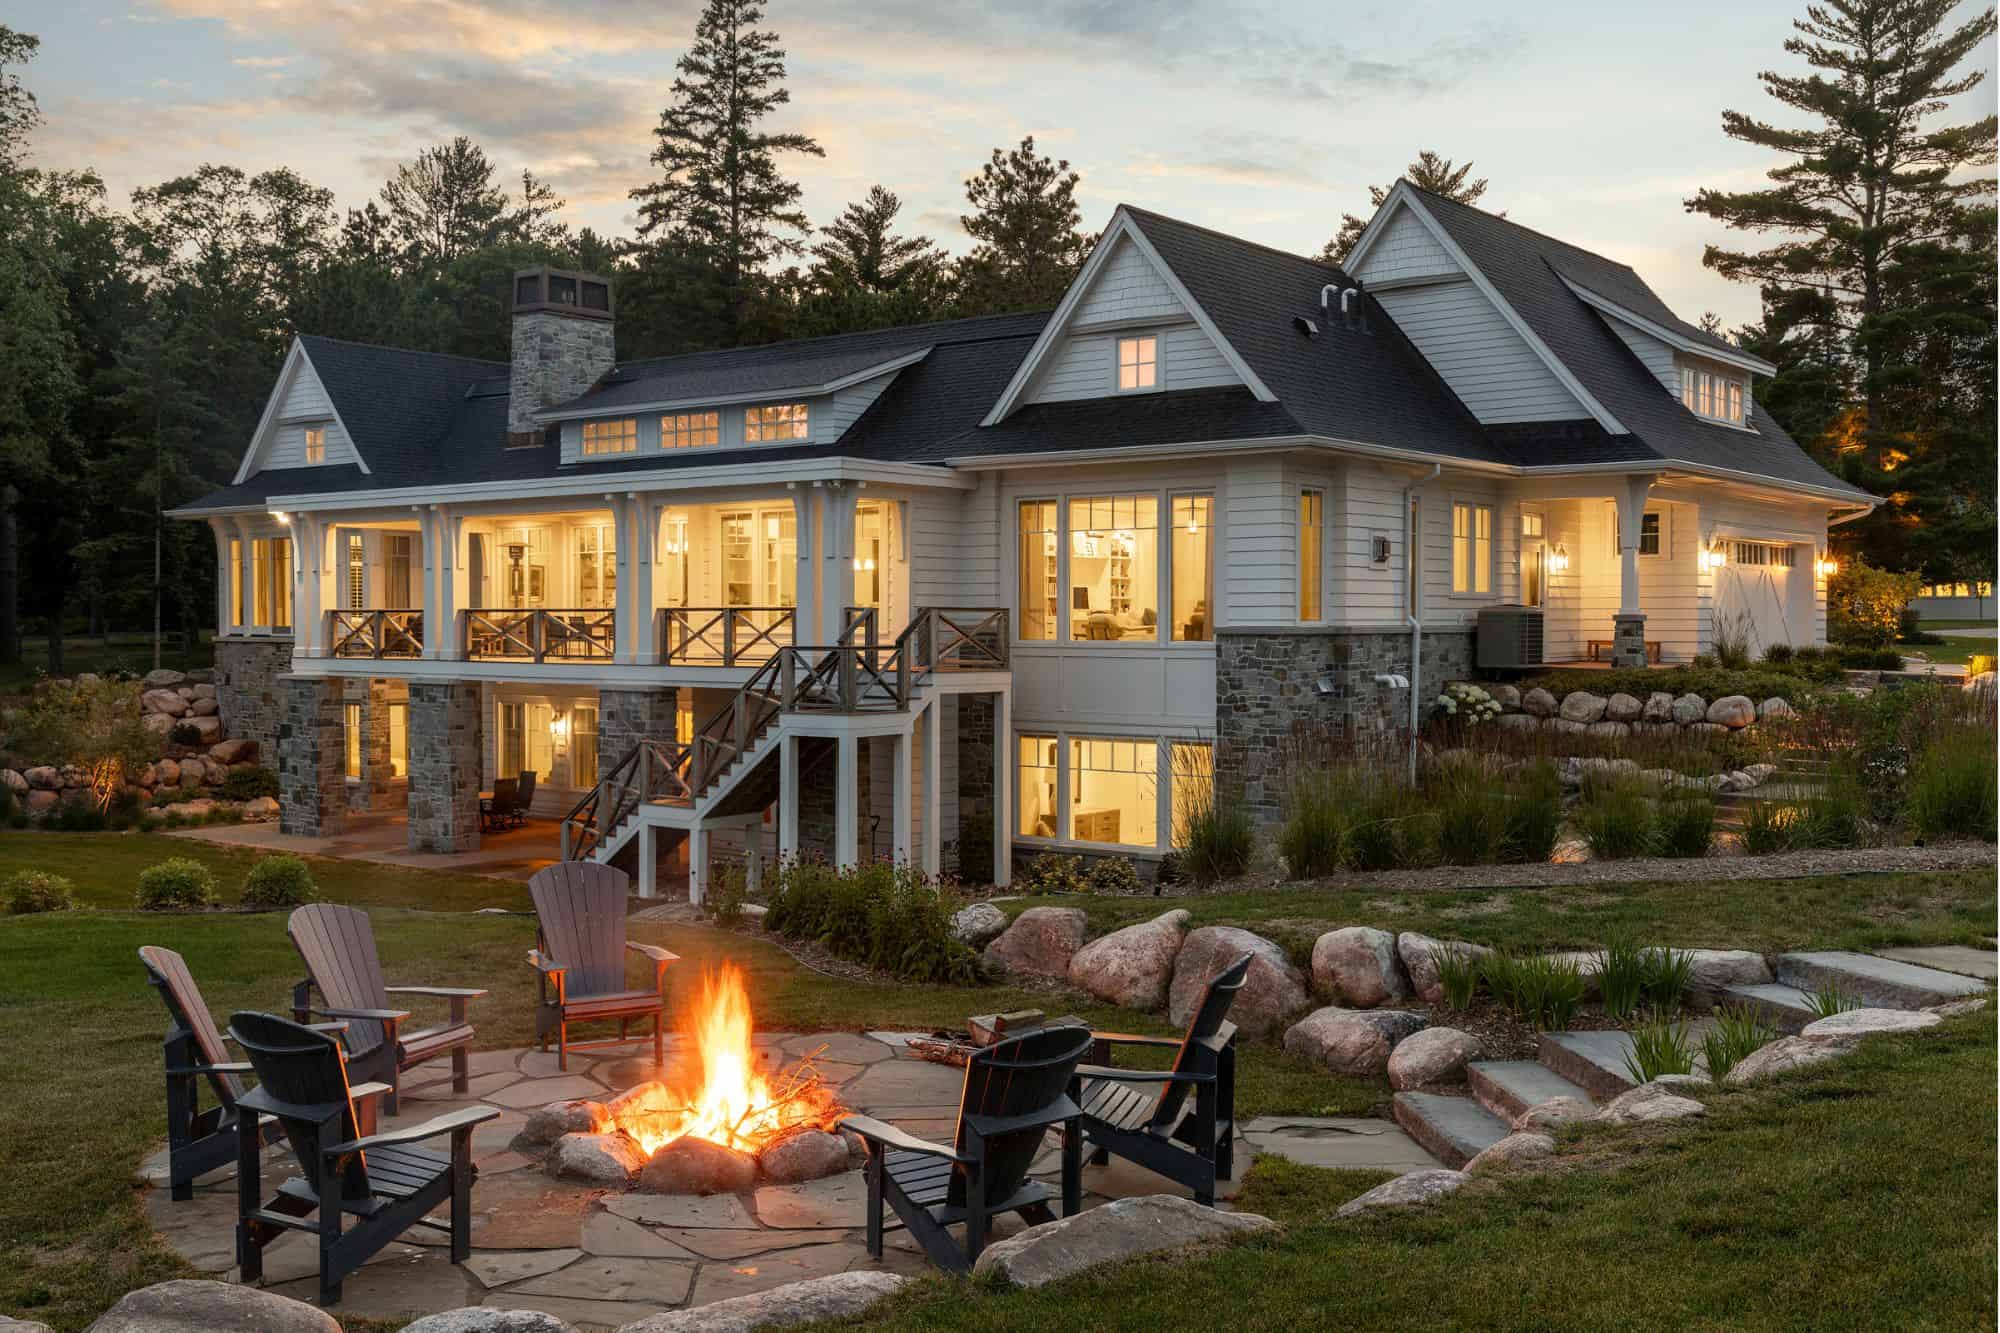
<point x="562" y="344"/>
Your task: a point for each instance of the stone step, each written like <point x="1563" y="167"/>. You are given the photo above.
<point x="1509" y="1087"/>
<point x="1980" y="964"/>
<point x="1594" y="1061"/>
<point x="1786" y="1008"/>
<point x="1452" y="1129"/>
<point x="1879" y="983"/>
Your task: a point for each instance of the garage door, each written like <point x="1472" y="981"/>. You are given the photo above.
<point x="1756" y="596"/>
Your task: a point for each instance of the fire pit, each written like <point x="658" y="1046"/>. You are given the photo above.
<point x="720" y="1129"/>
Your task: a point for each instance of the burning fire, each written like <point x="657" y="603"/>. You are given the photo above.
<point x="731" y="1104"/>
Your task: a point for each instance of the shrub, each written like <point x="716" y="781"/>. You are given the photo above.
<point x="1666" y="976"/>
<point x="1055" y="872"/>
<point x="1778" y="654"/>
<point x="77" y="815"/>
<point x="1458" y="970"/>
<point x="1471" y="819"/>
<point x="1617" y="821"/>
<point x="1686" y="823"/>
<point x="1659" y="1046"/>
<point x="975" y="848"/>
<point x="278" y="881"/>
<point x="1539" y="989"/>
<point x="184" y="733"/>
<point x="1113" y="874"/>
<point x="1215" y="837"/>
<point x="1978" y="664"/>
<point x="29" y="891"/>
<point x="247" y="784"/>
<point x="1534" y="815"/>
<point x="1466" y="705"/>
<point x="1621" y="975"/>
<point x="1952" y="791"/>
<point x="81" y="722"/>
<point x="1315" y="825"/>
<point x="174" y="885"/>
<point x="1392" y="828"/>
<point x="727" y="889"/>
<point x="1864" y="605"/>
<point x="888" y="917"/>
<point x="1734" y="1033"/>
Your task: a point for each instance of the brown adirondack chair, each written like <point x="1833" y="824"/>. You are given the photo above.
<point x="1122" y="1114"/>
<point x="338" y="948"/>
<point x="579" y="959"/>
<point x="381" y="1179"/>
<point x="1015" y="1091"/>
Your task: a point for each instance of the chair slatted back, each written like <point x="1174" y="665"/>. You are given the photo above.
<point x="337" y="946"/>
<point x="1193" y="1058"/>
<point x="1014" y="1077"/>
<point x="305" y="1070"/>
<point x="506" y="794"/>
<point x="168" y="971"/>
<point x="580" y="908"/>
<point x="524" y="793"/>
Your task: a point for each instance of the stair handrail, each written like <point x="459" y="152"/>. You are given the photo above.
<point x="652" y="770"/>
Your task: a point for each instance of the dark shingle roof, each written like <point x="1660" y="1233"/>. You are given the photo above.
<point x="1527" y="269"/>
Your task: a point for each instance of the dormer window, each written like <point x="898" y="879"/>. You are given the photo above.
<point x="1138" y="363"/>
<point x="690" y="430"/>
<point x="775" y="423"/>
<point x="1713" y="394"/>
<point x="315" y="444"/>
<point x="611" y="437"/>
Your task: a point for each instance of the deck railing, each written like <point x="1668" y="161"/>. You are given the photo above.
<point x="652" y="770"/>
<point x="537" y="634"/>
<point x="722" y="635"/>
<point x="377" y="633"/>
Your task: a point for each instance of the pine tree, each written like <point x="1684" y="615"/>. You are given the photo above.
<point x="862" y="252"/>
<point x="1880" y="241"/>
<point x="446" y="203"/>
<point x="1025" y="221"/>
<point x="721" y="199"/>
<point x="1429" y="172"/>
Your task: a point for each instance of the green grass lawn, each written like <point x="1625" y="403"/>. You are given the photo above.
<point x="1955" y="649"/>
<point x="81" y="1099"/>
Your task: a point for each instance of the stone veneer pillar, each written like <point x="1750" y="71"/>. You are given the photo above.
<point x="446" y="763"/>
<point x="312" y="786"/>
<point x="625" y="717"/>
<point x="372" y="791"/>
<point x="246" y="686"/>
<point x="1628" y="640"/>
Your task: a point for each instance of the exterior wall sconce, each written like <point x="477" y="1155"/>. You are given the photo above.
<point x="864" y="566"/>
<point x="281" y="516"/>
<point x="1715" y="557"/>
<point x="1559" y="560"/>
<point x="1826" y="567"/>
<point x="558" y="728"/>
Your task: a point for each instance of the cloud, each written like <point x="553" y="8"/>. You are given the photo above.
<point x="263" y="62"/>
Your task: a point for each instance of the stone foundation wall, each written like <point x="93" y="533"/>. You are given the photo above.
<point x="445" y="749"/>
<point x="625" y="717"/>
<point x="1267" y="693"/>
<point x="819" y="778"/>
<point x="375" y="790"/>
<point x="975" y="741"/>
<point x="246" y="687"/>
<point x="312" y="787"/>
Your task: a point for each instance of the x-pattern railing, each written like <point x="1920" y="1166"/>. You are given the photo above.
<point x="539" y="633"/>
<point x="723" y="635"/>
<point x="652" y="770"/>
<point x="375" y="633"/>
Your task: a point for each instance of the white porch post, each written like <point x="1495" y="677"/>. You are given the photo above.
<point x="753" y="857"/>
<point x="1628" y="633"/>
<point x="1003" y="789"/>
<point x="442" y="638"/>
<point x="633" y="559"/>
<point x="836" y="587"/>
<point x="307" y="539"/>
<point x="788" y="798"/>
<point x="434" y="611"/>
<point x="805" y="622"/>
<point x="846" y="819"/>
<point x="903" y="798"/>
<point x="649" y="860"/>
<point x="246" y="572"/>
<point x="222" y="531"/>
<point x="697" y="864"/>
<point x="933" y="821"/>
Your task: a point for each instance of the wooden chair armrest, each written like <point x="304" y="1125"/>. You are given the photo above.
<point x="1133" y="1039"/>
<point x="260" y="1099"/>
<point x="361" y="1092"/>
<point x="378" y="1015"/>
<point x="653" y="951"/>
<point x="230" y="1067"/>
<point x="989" y="1126"/>
<point x="449" y="1122"/>
<point x="1140" y="1075"/>
<point x="334" y="1028"/>
<point x="442" y="992"/>
<point x="541" y="962"/>
<point x="876" y="1131"/>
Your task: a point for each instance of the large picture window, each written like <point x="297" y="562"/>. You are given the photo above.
<point x="1194" y="525"/>
<point x="1108" y="790"/>
<point x="525" y="743"/>
<point x="1114" y="567"/>
<point x="1092" y="568"/>
<point x="1114" y="790"/>
<point x="1311" y="515"/>
<point x="596" y="565"/>
<point x="1041" y="593"/>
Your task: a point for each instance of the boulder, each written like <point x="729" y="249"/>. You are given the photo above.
<point x="1760" y="772"/>
<point x="1783" y="1054"/>
<point x="486" y="1319"/>
<point x="1852" y="1023"/>
<point x="1689" y="708"/>
<point x="1648" y="1102"/>
<point x="1121" y="1229"/>
<point x="1434" y="1055"/>
<point x="13" y="781"/>
<point x="1351" y="1041"/>
<point x="1775" y="707"/>
<point x="806" y="1155"/>
<point x="695" y="1166"/>
<point x="978" y="924"/>
<point x="185" y="691"/>
<point x="44" y="777"/>
<point x="1553" y="1112"/>
<point x="260" y="809"/>
<point x="606" y="1160"/>
<point x="159" y="724"/>
<point x="1513" y="1151"/>
<point x="1405" y="1191"/>
<point x="1707" y="728"/>
<point x="1040" y="943"/>
<point x="1622" y="707"/>
<point x="188" y="1305"/>
<point x="1273" y="990"/>
<point x="207" y="730"/>
<point x="1562" y="726"/>
<point x="1133" y="967"/>
<point x="837" y="1296"/>
<point x="1659" y="707"/>
<point x="1710" y="970"/>
<point x="1953" y="1008"/>
<point x="163" y="701"/>
<point x="1538" y="702"/>
<point x="22" y="1326"/>
<point x="203" y="689"/>
<point x="1418" y="954"/>
<point x="163" y="678"/>
<point x="41" y="801"/>
<point x="1507" y="696"/>
<point x="1582" y="706"/>
<point x="1608" y="731"/>
<point x="233" y="752"/>
<point x="1358" y="966"/>
<point x="202" y="676"/>
<point x="1518" y="722"/>
<point x="1732" y="711"/>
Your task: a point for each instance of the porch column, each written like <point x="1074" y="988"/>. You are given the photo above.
<point x="649" y="860"/>
<point x="312" y="783"/>
<point x="805" y="622"/>
<point x="788" y="798"/>
<point x="222" y="531"/>
<point x="447" y="761"/>
<point x="1628" y="627"/>
<point x="838" y="500"/>
<point x="308" y="600"/>
<point x="639" y="566"/>
<point x="435" y="635"/>
<point x="697" y="864"/>
<point x="246" y="571"/>
<point x="846" y="793"/>
<point x="933" y="823"/>
<point x="901" y="796"/>
<point x="445" y="635"/>
<point x="1003" y="789"/>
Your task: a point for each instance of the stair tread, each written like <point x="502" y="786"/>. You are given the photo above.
<point x="1454" y="1129"/>
<point x="1520" y="1084"/>
<point x="1880" y="982"/>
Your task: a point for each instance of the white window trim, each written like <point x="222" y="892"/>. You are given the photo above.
<point x="584" y="450"/>
<point x="1690" y="394"/>
<point x="1163" y="781"/>
<point x="1666" y="533"/>
<point x="1475" y="503"/>
<point x="1159" y="362"/>
<point x="667" y="433"/>
<point x="803" y="404"/>
<point x="1163" y="582"/>
<point x="306" y="433"/>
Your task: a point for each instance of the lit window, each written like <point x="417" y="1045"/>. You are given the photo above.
<point x="780" y="421"/>
<point x="1191" y="779"/>
<point x="315" y="444"/>
<point x="1114" y="790"/>
<point x="237" y="608"/>
<point x="1714" y="395"/>
<point x="397" y="563"/>
<point x="1649" y="532"/>
<point x="271" y="574"/>
<point x="596" y="565"/>
<point x="1192" y="535"/>
<point x="1310" y="505"/>
<point x="583" y="746"/>
<point x="1041" y="590"/>
<point x="689" y="430"/>
<point x="1531" y="525"/>
<point x="525" y="741"/>
<point x="399" y="740"/>
<point x="1038" y="775"/>
<point x="1735" y="400"/>
<point x="1471" y="548"/>
<point x="357" y="573"/>
<point x="351" y="716"/>
<point x="1138" y="362"/>
<point x="1114" y="568"/>
<point x="611" y="437"/>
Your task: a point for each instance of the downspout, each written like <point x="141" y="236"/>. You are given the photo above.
<point x="1413" y="576"/>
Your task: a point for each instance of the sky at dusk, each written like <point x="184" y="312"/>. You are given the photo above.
<point x="1593" y="120"/>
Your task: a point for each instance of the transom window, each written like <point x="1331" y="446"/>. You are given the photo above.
<point x="611" y="437"/>
<point x="1138" y="362"/>
<point x="1471" y="548"/>
<point x="1091" y="568"/>
<point x="1762" y="554"/>
<point x="315" y="444"/>
<point x="778" y="421"/>
<point x="1712" y="394"/>
<point x="690" y="430"/>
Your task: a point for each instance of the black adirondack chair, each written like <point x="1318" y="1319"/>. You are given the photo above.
<point x="496" y="812"/>
<point x="1015" y="1091"/>
<point x="580" y="958"/>
<point x="524" y="800"/>
<point x="338" y="948"/>
<point x="382" y="1180"/>
<point x="1123" y="1114"/>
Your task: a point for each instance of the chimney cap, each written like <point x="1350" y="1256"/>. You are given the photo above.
<point x="563" y="291"/>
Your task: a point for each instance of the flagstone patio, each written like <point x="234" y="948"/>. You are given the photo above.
<point x="601" y="1259"/>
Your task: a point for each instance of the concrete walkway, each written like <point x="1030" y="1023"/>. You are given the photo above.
<point x="600" y="1260"/>
<point x="515" y="854"/>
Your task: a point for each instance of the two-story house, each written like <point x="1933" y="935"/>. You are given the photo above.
<point x="1007" y="581"/>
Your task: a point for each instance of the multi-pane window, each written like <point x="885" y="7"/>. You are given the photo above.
<point x="1531" y="524"/>
<point x="1091" y="568"/>
<point x="690" y="430"/>
<point x="583" y="746"/>
<point x="351" y="734"/>
<point x="271" y="575"/>
<point x="778" y="421"/>
<point x="611" y="437"/>
<point x="1114" y="567"/>
<point x="1041" y="593"/>
<point x="1712" y="394"/>
<point x="596" y="566"/>
<point x="1193" y="519"/>
<point x="1114" y="790"/>
<point x="1652" y="532"/>
<point x="1039" y="808"/>
<point x="1138" y="363"/>
<point x="525" y="741"/>
<point x="1471" y="548"/>
<point x="357" y="573"/>
<point x="399" y="739"/>
<point x="315" y="444"/>
<point x="398" y="573"/>
<point x="1762" y="554"/>
<point x="1311" y="504"/>
<point x="1109" y="789"/>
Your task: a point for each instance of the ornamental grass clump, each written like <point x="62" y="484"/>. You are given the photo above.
<point x="1314" y="834"/>
<point x="1391" y="828"/>
<point x="1828" y="999"/>
<point x="1621" y="975"/>
<point x="1469" y="814"/>
<point x="1617" y="821"/>
<point x="1660" y="1045"/>
<point x="1666" y="975"/>
<point x="177" y="884"/>
<point x="1952" y="789"/>
<point x="1458" y="971"/>
<point x="1534" y="814"/>
<point x="30" y="891"/>
<point x="1212" y="830"/>
<point x="1541" y="990"/>
<point x="1733" y="1033"/>
<point x="1686" y="823"/>
<point x="887" y="917"/>
<point x="278" y="881"/>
